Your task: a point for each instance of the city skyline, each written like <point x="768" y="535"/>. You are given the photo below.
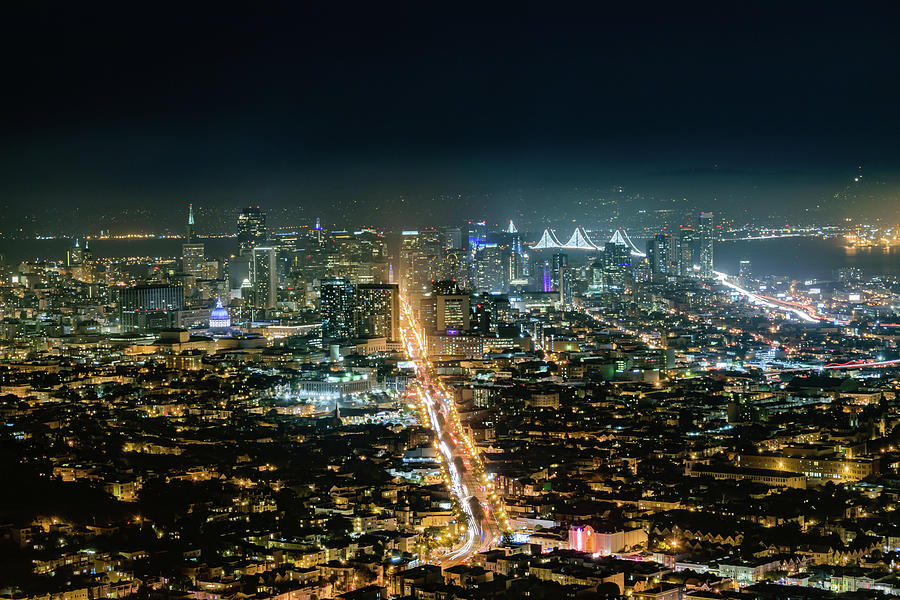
<point x="355" y="301"/>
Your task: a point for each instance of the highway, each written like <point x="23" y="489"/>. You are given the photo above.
<point x="482" y="517"/>
<point x="805" y="313"/>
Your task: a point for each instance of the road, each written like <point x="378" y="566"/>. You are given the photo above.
<point x="481" y="518"/>
<point x="805" y="313"/>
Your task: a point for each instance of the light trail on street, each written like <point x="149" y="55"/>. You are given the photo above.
<point x="482" y="531"/>
<point x="768" y="302"/>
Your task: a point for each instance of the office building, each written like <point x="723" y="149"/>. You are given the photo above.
<point x="451" y="307"/>
<point x="193" y="254"/>
<point x="451" y="346"/>
<point x="662" y="253"/>
<point x="745" y="272"/>
<point x="193" y="260"/>
<point x="413" y="263"/>
<point x="490" y="274"/>
<point x="263" y="277"/>
<point x="251" y="228"/>
<point x="377" y="311"/>
<point x="75" y="255"/>
<point x="616" y="267"/>
<point x="452" y="238"/>
<point x="336" y="305"/>
<point x="150" y="306"/>
<point x="687" y="251"/>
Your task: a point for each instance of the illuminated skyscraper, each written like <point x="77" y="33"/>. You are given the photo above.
<point x="251" y="228"/>
<point x="193" y="255"/>
<point x="706" y="239"/>
<point x="412" y="264"/>
<point x="662" y="252"/>
<point x="687" y="252"/>
<point x="377" y="311"/>
<point x="490" y="270"/>
<point x="263" y="277"/>
<point x="451" y="312"/>
<point x="547" y="277"/>
<point x="336" y="304"/>
<point x="191" y="233"/>
<point x="75" y="255"/>
<point x="617" y="266"/>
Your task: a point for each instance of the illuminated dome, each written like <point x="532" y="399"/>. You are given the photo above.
<point x="219" y="317"/>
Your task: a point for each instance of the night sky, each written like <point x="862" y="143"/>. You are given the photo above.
<point x="285" y="105"/>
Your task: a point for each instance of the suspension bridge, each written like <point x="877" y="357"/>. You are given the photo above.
<point x="580" y="240"/>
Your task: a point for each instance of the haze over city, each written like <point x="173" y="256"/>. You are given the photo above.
<point x="307" y="105"/>
<point x="445" y="302"/>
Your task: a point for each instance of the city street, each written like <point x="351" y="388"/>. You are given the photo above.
<point x="467" y="480"/>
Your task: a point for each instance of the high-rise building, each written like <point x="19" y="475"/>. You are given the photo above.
<point x="377" y="311"/>
<point x="515" y="267"/>
<point x="263" y="277"/>
<point x="546" y="276"/>
<point x="745" y="272"/>
<point x="451" y="307"/>
<point x="150" y="306"/>
<point x="251" y="228"/>
<point x="75" y="255"/>
<point x="562" y="277"/>
<point x="662" y="252"/>
<point x="336" y="305"/>
<point x="193" y="259"/>
<point x="597" y="283"/>
<point x="616" y="266"/>
<point x="706" y="238"/>
<point x="452" y="238"/>
<point x="560" y="264"/>
<point x="490" y="269"/>
<point x="193" y="254"/>
<point x="413" y="271"/>
<point x="476" y="237"/>
<point x="687" y="252"/>
<point x="191" y="232"/>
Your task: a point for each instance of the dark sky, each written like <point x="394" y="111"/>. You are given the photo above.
<point x="166" y="103"/>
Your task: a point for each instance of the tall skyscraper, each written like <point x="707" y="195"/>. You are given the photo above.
<point x="560" y="264"/>
<point x="191" y="233"/>
<point x="490" y="270"/>
<point x="251" y="228"/>
<point x="687" y="252"/>
<point x="193" y="254"/>
<point x="336" y="304"/>
<point x="662" y="252"/>
<point x="597" y="274"/>
<point x="412" y="264"/>
<point x="75" y="255"/>
<point x="515" y="267"/>
<point x="617" y="266"/>
<point x="706" y="231"/>
<point x="263" y="277"/>
<point x="377" y="311"/>
<point x="193" y="259"/>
